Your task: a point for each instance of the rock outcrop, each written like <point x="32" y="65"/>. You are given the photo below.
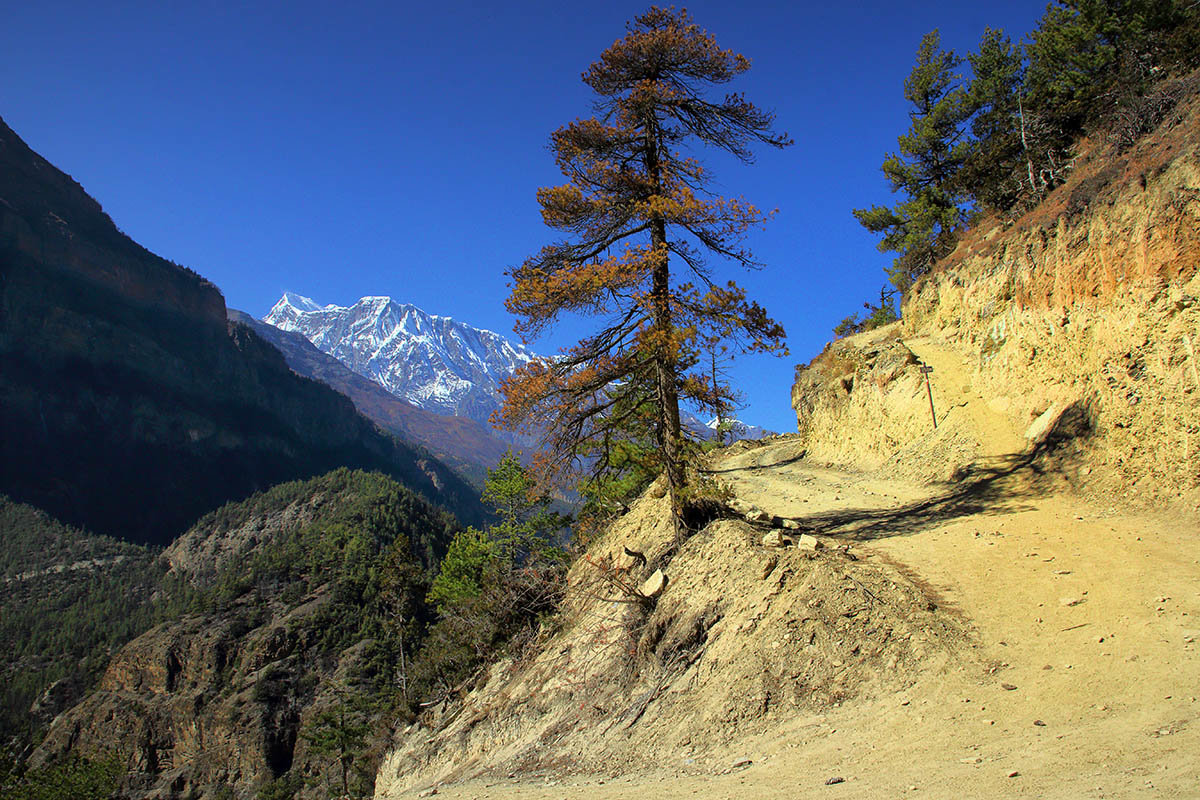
<point x="1090" y="302"/>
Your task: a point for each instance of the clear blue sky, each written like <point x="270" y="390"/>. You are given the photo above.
<point x="359" y="148"/>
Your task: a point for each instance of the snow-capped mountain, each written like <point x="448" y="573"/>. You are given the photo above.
<point x="737" y="429"/>
<point x="433" y="362"/>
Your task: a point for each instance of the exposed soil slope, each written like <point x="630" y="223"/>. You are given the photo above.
<point x="742" y="637"/>
<point x="1093" y="615"/>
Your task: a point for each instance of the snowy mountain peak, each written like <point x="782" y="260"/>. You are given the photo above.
<point x="299" y="302"/>
<point x="432" y="362"/>
<point x="737" y="429"/>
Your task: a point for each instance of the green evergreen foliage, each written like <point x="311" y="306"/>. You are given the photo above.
<point x="282" y="788"/>
<point x="998" y="167"/>
<point x="879" y="314"/>
<point x="339" y="734"/>
<point x="76" y="779"/>
<point x="1001" y="140"/>
<point x="69" y="600"/>
<point x="473" y="557"/>
<point x="1083" y="49"/>
<point x="526" y="527"/>
<point x="627" y="460"/>
<point x="921" y="227"/>
<point x="493" y="584"/>
<point x="360" y="547"/>
<point x="350" y="541"/>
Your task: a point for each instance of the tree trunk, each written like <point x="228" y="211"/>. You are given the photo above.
<point x="669" y="434"/>
<point x="666" y="367"/>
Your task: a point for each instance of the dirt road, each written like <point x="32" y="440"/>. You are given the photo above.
<point x="1087" y="623"/>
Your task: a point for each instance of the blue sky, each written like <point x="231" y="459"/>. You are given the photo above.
<point x="365" y="148"/>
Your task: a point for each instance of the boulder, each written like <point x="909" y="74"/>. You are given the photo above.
<point x="773" y="539"/>
<point x="1060" y="421"/>
<point x="654" y="585"/>
<point x="757" y="515"/>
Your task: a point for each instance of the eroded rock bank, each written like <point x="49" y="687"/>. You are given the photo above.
<point x="1089" y="303"/>
<point x="742" y="636"/>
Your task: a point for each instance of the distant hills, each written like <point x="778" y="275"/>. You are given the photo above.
<point x="129" y="404"/>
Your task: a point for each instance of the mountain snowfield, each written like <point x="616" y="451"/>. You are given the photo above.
<point x="431" y="361"/>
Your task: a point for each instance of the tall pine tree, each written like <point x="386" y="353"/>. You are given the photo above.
<point x="640" y="217"/>
<point x="920" y="228"/>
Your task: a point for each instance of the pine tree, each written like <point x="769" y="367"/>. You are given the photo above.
<point x="921" y="227"/>
<point x="999" y="170"/>
<point x="524" y="535"/>
<point x="526" y="527"/>
<point x="339" y="733"/>
<point x="1089" y="60"/>
<point x="640" y="217"/>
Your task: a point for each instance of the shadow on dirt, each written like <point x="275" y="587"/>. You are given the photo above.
<point x="1001" y="485"/>
<point x="997" y="489"/>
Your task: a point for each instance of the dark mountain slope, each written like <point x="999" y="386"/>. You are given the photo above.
<point x="67" y="599"/>
<point x="464" y="443"/>
<point x="128" y="404"/>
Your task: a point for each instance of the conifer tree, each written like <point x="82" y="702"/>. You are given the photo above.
<point x="640" y="218"/>
<point x="999" y="168"/>
<point x="920" y="228"/>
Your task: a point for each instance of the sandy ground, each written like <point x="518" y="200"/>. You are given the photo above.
<point x="1094" y="618"/>
<point x="1087" y="620"/>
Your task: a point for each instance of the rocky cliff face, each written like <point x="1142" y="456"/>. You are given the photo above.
<point x="1091" y="303"/>
<point x="286" y="620"/>
<point x="128" y="404"/>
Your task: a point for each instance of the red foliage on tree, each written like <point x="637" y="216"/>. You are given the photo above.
<point x="640" y="218"/>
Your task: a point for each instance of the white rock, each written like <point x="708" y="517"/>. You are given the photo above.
<point x="772" y="539"/>
<point x="654" y="585"/>
<point x="757" y="515"/>
<point x="808" y="542"/>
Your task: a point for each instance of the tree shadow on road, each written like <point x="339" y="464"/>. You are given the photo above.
<point x="793" y="458"/>
<point x="1003" y="485"/>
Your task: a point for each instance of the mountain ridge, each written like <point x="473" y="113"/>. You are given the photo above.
<point x="462" y="442"/>
<point x="357" y="337"/>
<point x="129" y="404"/>
<point x="433" y="362"/>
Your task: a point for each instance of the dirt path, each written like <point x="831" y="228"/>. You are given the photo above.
<point x="953" y="390"/>
<point x="1088" y="630"/>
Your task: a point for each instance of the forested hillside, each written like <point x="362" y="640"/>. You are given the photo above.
<point x="231" y="650"/>
<point x="67" y="601"/>
<point x="993" y="132"/>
